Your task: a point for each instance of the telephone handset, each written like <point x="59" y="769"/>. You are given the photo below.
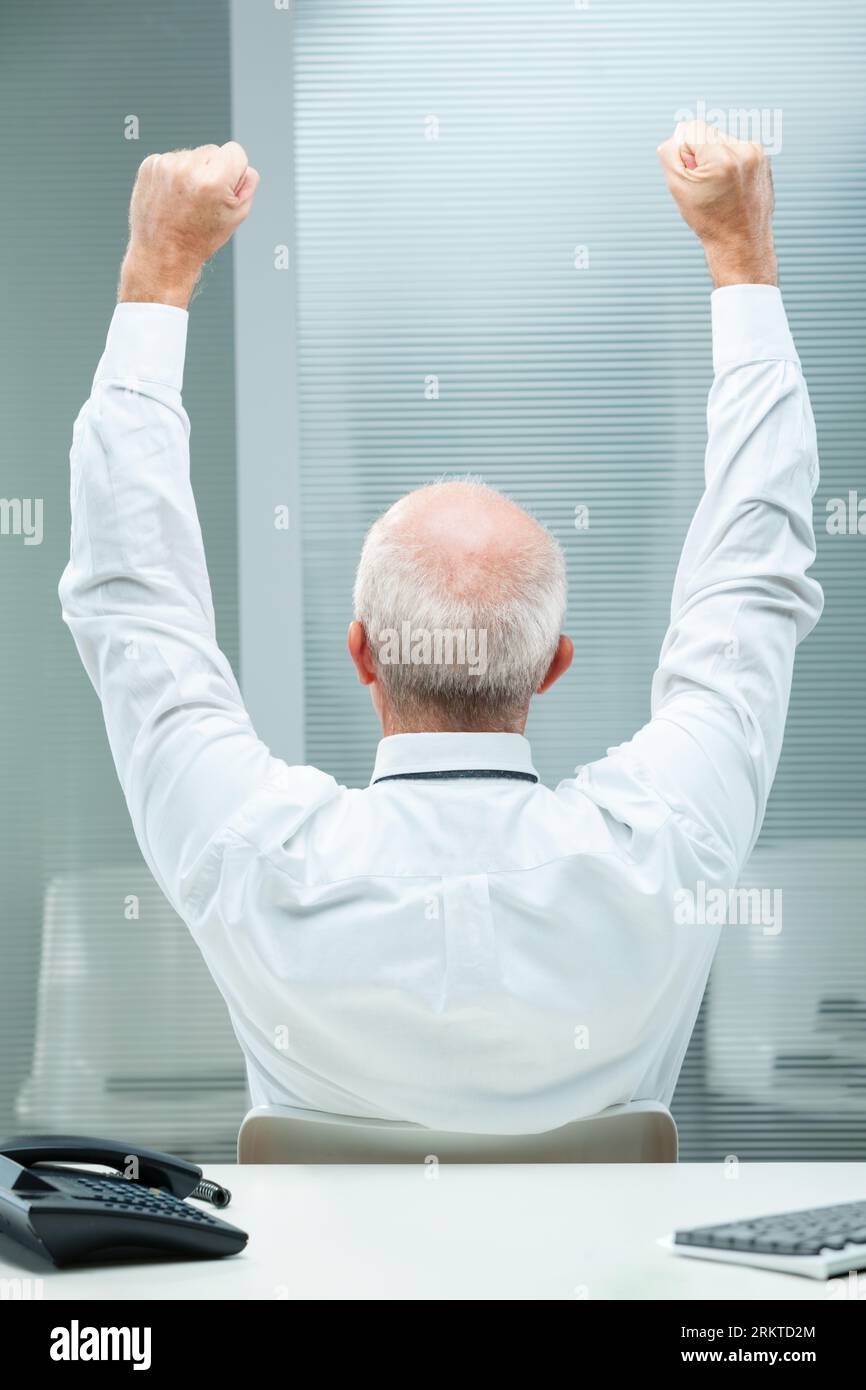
<point x="70" y="1214"/>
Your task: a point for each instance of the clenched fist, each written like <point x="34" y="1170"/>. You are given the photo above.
<point x="185" y="206"/>
<point x="724" y="190"/>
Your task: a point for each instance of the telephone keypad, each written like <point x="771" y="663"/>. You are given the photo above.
<point x="121" y="1194"/>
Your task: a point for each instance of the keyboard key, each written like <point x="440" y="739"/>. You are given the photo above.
<point x="787" y="1233"/>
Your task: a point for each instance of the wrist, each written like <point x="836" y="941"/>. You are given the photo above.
<point x="741" y="263"/>
<point x="148" y="280"/>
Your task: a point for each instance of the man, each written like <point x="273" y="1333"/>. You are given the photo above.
<point x="454" y="945"/>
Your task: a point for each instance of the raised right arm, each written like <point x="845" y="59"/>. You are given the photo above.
<point x="742" y="597"/>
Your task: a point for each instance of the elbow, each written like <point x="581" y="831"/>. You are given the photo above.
<point x="812" y="609"/>
<point x="66" y="592"/>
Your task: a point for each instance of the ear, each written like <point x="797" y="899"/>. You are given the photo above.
<point x="356" y="641"/>
<point x="562" y="659"/>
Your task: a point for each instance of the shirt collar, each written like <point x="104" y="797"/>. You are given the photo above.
<point x="408" y="754"/>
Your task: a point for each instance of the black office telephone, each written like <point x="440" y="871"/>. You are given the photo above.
<point x="71" y="1214"/>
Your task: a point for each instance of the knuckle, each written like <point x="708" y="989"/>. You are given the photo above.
<point x="204" y="176"/>
<point x="171" y="163"/>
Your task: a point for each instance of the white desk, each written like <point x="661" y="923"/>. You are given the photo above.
<point x="476" y="1232"/>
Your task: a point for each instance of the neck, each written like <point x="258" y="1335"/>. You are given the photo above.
<point x="433" y="723"/>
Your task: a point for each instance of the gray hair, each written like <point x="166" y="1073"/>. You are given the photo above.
<point x="466" y="659"/>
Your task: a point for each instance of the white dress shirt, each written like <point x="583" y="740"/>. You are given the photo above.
<point x="471" y="953"/>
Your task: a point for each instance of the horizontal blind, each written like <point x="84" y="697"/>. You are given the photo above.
<point x="479" y="203"/>
<point x="109" y="1022"/>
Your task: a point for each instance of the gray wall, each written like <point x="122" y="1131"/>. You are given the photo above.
<point x="69" y="75"/>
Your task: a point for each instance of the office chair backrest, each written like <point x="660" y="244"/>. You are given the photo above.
<point x="642" y="1132"/>
<point x="131" y="1035"/>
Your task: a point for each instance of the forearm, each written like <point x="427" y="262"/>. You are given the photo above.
<point x="167" y="279"/>
<point x="742" y="260"/>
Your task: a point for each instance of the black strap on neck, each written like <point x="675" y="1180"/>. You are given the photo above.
<point x="441" y="775"/>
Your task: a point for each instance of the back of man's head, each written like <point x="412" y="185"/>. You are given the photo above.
<point x="461" y="595"/>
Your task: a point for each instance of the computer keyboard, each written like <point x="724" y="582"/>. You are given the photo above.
<point x="818" y="1242"/>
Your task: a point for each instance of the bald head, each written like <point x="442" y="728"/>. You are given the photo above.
<point x="469" y="536"/>
<point x="459" y="599"/>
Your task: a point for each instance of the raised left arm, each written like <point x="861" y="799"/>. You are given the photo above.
<point x="135" y="593"/>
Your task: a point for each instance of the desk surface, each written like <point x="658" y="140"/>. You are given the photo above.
<point x="473" y="1232"/>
